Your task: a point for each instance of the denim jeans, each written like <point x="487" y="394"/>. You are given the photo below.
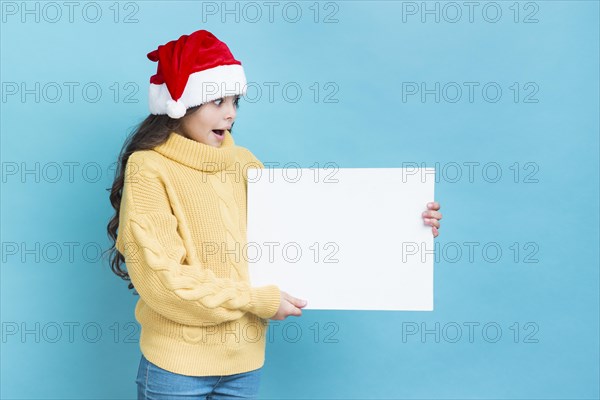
<point x="155" y="383"/>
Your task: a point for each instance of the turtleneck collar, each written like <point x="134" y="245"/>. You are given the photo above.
<point x="199" y="155"/>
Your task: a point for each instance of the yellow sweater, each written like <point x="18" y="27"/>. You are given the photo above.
<point x="182" y="225"/>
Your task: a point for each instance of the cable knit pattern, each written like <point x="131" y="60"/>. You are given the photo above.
<point x="181" y="230"/>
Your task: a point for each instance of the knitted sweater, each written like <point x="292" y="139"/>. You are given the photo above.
<point x="182" y="226"/>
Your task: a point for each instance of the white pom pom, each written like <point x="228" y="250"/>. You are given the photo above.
<point x="175" y="109"/>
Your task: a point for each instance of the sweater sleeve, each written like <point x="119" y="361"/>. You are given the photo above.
<point x="155" y="253"/>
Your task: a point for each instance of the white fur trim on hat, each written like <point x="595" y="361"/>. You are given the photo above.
<point x="201" y="87"/>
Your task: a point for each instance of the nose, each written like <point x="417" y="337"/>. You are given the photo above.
<point x="230" y="111"/>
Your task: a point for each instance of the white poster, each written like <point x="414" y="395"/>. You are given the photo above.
<point x="343" y="238"/>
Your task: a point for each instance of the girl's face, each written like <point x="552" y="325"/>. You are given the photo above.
<point x="208" y="123"/>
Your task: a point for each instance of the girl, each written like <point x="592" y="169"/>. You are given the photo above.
<point x="180" y="201"/>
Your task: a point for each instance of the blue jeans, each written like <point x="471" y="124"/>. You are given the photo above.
<point x="155" y="383"/>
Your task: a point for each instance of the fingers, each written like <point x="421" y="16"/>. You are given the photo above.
<point x="432" y="214"/>
<point x="296" y="312"/>
<point x="432" y="221"/>
<point x="295" y="301"/>
<point x="434" y="205"/>
<point x="290" y="309"/>
<point x="291" y="305"/>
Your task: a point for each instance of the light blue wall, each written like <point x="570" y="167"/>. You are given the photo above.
<point x="369" y="54"/>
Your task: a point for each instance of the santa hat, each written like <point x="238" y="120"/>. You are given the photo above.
<point x="193" y="70"/>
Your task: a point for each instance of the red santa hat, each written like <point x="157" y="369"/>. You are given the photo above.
<point x="193" y="70"/>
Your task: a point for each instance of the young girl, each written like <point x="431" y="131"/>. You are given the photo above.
<point x="180" y="201"/>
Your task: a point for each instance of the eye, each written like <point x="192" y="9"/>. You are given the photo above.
<point x="237" y="102"/>
<point x="218" y="101"/>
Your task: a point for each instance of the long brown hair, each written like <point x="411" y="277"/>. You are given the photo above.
<point x="151" y="132"/>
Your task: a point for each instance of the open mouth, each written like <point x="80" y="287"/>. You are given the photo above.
<point x="219" y="132"/>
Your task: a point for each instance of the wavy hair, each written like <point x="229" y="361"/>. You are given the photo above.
<point x="151" y="132"/>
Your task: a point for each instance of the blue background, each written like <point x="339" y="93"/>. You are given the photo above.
<point x="548" y="310"/>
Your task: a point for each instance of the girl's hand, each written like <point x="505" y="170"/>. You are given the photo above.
<point x="289" y="306"/>
<point x="432" y="217"/>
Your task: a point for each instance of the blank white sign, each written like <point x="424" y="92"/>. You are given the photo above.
<point x="343" y="238"/>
